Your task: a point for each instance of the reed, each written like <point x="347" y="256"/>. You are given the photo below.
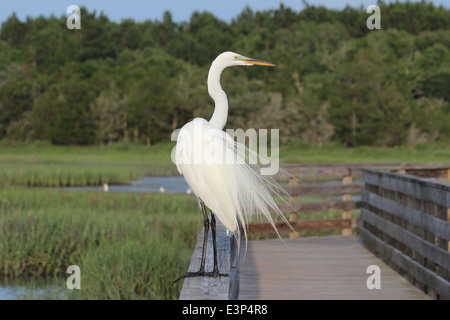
<point x="58" y="166"/>
<point x="128" y="246"/>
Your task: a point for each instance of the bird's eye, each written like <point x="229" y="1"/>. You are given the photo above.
<point x="235" y="57"/>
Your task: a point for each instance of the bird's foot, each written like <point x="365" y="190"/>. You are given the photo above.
<point x="212" y="274"/>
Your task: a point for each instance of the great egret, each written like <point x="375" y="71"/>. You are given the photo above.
<point x="214" y="166"/>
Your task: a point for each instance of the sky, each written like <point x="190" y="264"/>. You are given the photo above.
<point x="181" y="10"/>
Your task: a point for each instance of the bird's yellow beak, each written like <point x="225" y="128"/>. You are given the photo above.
<point x="259" y="62"/>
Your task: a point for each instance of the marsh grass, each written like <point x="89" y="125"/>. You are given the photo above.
<point x="127" y="245"/>
<point x="41" y="164"/>
<point x="298" y="151"/>
<point x="59" y="166"/>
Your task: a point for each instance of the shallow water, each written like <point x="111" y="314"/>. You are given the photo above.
<point x="30" y="289"/>
<point x="171" y="184"/>
<point x="168" y="184"/>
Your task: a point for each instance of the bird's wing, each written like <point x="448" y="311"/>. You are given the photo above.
<point x="215" y="167"/>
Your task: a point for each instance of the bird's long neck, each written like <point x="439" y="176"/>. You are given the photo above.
<point x="219" y="117"/>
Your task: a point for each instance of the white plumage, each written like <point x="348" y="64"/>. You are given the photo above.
<point x="215" y="166"/>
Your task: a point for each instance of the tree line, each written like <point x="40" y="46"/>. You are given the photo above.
<point x="336" y="80"/>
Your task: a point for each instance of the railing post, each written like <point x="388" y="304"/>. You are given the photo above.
<point x="347" y="197"/>
<point x="448" y="209"/>
<point x="293" y="216"/>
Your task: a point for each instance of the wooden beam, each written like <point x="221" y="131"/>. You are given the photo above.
<point x="437" y="227"/>
<point x="405" y="263"/>
<point x="319" y="206"/>
<point x="340" y="170"/>
<point x="303" y="225"/>
<point x="324" y="189"/>
<point x="347" y="214"/>
<point x="439" y="173"/>
<point x="293" y="216"/>
<point x="424" y="189"/>
<point x="409" y="239"/>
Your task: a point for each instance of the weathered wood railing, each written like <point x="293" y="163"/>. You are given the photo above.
<point x="220" y="288"/>
<point x="293" y="208"/>
<point x="414" y="253"/>
<point x="405" y="222"/>
<point x="347" y="173"/>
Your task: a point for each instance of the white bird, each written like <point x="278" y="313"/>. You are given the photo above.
<point x="215" y="169"/>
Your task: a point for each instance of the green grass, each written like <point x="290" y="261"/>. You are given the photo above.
<point x="128" y="246"/>
<point x="298" y="151"/>
<point x="41" y="164"/>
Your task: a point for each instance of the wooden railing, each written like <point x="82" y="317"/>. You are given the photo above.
<point x="299" y="185"/>
<point x="348" y="174"/>
<point x="405" y="222"/>
<point x="208" y="288"/>
<point x="293" y="208"/>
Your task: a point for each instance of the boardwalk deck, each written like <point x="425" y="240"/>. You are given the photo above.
<point x="332" y="267"/>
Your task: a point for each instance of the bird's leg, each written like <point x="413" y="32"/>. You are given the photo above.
<point x="215" y="272"/>
<point x="213" y="229"/>
<point x="201" y="271"/>
<point x="205" y="237"/>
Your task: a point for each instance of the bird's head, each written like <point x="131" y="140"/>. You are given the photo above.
<point x="229" y="59"/>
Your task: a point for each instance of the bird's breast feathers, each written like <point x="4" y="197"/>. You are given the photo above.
<point x="200" y="143"/>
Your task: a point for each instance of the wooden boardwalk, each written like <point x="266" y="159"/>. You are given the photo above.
<point x="332" y="267"/>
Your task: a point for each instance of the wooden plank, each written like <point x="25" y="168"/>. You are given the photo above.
<point x="418" y="272"/>
<point x="324" y="189"/>
<point x="448" y="220"/>
<point x="434" y="225"/>
<point x="428" y="250"/>
<point x="431" y="190"/>
<point x="319" y="268"/>
<point x="319" y="206"/>
<point x="208" y="288"/>
<point x="439" y="173"/>
<point x="329" y="170"/>
<point x="303" y="225"/>
<point x="340" y="170"/>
